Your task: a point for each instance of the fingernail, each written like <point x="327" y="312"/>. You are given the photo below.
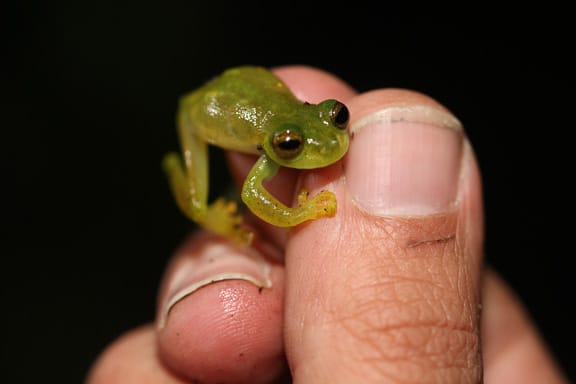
<point x="405" y="160"/>
<point x="217" y="262"/>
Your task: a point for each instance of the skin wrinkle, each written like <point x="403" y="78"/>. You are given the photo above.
<point x="417" y="345"/>
<point x="403" y="330"/>
<point x="463" y="279"/>
<point x="413" y="244"/>
<point x="424" y="343"/>
<point x="433" y="231"/>
<point x="408" y="339"/>
<point x="411" y="353"/>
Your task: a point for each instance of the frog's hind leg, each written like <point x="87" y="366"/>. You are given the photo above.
<point x="188" y="177"/>
<point x="186" y="194"/>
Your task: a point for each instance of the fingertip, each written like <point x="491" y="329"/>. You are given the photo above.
<point x="513" y="350"/>
<point x="220" y="313"/>
<point x="226" y="332"/>
<point x="131" y="359"/>
<point x="313" y="84"/>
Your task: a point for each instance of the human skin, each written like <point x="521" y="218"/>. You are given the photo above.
<point x="392" y="289"/>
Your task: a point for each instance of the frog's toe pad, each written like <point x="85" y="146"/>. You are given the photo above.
<point x="223" y="218"/>
<point x="322" y="205"/>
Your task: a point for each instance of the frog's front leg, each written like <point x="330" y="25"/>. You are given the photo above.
<point x="269" y="209"/>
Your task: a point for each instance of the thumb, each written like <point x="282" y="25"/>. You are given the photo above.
<point x="388" y="290"/>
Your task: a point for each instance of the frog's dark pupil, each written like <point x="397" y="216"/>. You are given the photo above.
<point x="341" y="116"/>
<point x="289" y="144"/>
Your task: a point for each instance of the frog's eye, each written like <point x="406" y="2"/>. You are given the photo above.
<point x="287" y="144"/>
<point x="339" y="115"/>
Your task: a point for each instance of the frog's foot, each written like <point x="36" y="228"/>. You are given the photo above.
<point x="321" y="205"/>
<point x="222" y="217"/>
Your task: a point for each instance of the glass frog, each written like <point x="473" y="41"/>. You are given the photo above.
<point x="248" y="109"/>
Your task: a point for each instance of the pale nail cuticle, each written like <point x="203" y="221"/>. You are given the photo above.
<point x="187" y="291"/>
<point x="215" y="264"/>
<point x="409" y="113"/>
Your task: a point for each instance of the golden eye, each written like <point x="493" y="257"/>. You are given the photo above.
<point x="339" y="115"/>
<point x="287" y="144"/>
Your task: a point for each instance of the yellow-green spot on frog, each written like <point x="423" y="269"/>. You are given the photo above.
<point x="249" y="109"/>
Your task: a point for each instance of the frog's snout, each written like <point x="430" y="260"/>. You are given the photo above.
<point x="339" y="146"/>
<point x="344" y="140"/>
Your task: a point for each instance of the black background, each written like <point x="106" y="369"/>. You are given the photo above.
<point x="88" y="100"/>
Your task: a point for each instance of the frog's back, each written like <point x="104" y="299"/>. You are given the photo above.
<point x="257" y="83"/>
<point x="234" y="110"/>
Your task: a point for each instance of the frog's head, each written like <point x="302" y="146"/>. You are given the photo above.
<point x="313" y="139"/>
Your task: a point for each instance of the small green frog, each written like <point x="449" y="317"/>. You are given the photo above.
<point x="248" y="109"/>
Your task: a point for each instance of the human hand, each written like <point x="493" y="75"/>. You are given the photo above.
<point x="392" y="289"/>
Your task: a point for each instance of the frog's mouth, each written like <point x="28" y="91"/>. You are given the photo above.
<point x="325" y="154"/>
<point x="343" y="142"/>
